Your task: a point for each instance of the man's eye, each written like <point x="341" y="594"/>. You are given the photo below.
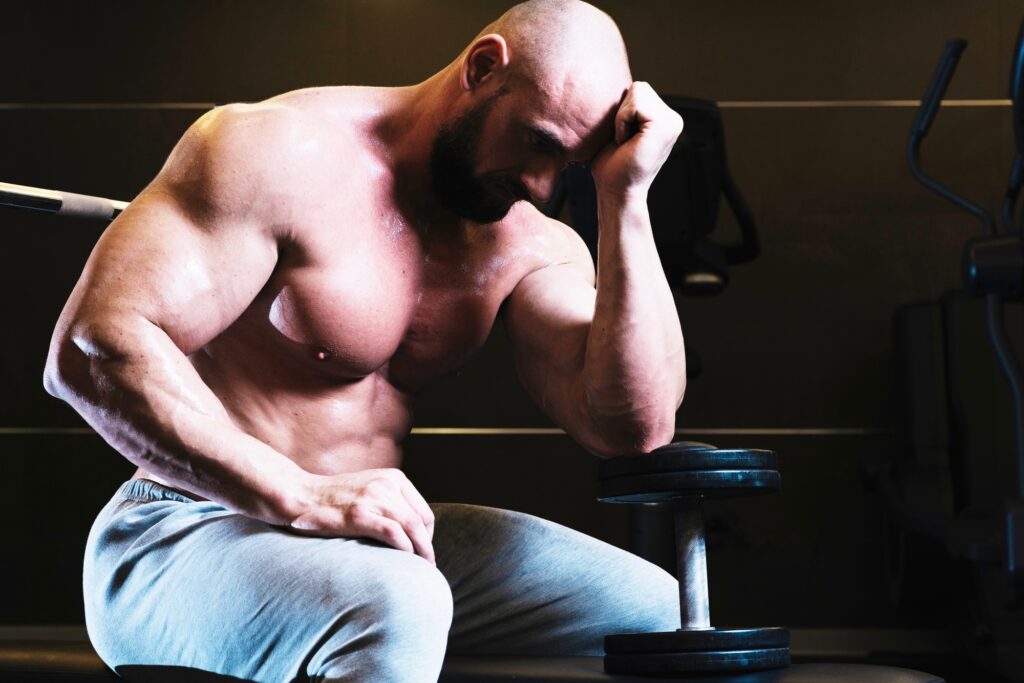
<point x="541" y="143"/>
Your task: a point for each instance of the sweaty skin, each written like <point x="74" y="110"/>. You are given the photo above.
<point x="254" y="328"/>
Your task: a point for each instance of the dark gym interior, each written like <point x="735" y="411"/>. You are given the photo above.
<point x="847" y="346"/>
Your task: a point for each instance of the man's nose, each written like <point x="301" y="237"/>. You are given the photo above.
<point x="540" y="182"/>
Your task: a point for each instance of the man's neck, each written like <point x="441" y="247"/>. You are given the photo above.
<point x="407" y="133"/>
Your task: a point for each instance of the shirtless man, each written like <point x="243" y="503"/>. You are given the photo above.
<point x="253" y="330"/>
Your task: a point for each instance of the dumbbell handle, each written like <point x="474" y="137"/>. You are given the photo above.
<point x="691" y="560"/>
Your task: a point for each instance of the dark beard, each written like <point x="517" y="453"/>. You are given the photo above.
<point x="451" y="169"/>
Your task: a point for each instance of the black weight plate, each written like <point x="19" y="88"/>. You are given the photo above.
<point x="697" y="662"/>
<point x="676" y="445"/>
<point x="666" y="486"/>
<point x="688" y="459"/>
<point x="682" y="640"/>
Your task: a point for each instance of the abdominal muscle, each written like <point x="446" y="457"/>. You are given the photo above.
<point x="324" y="423"/>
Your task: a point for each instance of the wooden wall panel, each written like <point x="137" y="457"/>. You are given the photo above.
<point x="51" y="489"/>
<point x="205" y="50"/>
<point x="225" y="50"/>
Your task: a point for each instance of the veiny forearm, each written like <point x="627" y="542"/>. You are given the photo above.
<point x="634" y="373"/>
<point x="135" y="387"/>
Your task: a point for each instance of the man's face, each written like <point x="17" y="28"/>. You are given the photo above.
<point x="452" y="169"/>
<point x="508" y="148"/>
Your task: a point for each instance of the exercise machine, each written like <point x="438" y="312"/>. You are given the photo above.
<point x="954" y="489"/>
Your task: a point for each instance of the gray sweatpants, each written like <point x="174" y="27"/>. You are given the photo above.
<point x="174" y="582"/>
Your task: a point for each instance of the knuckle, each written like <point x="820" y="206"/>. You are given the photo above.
<point x="394" y="537"/>
<point x="357" y="512"/>
<point x="409" y="522"/>
<point x="361" y="512"/>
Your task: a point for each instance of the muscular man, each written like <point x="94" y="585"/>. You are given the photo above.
<point x="253" y="330"/>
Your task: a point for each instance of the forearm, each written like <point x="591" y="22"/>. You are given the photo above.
<point x="634" y="371"/>
<point x="143" y="396"/>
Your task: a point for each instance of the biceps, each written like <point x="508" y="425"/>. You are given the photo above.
<point x="155" y="262"/>
<point x="548" y="318"/>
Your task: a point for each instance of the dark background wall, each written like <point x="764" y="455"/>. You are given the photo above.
<point x="796" y="353"/>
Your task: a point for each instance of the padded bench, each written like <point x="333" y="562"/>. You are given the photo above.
<point x="67" y="661"/>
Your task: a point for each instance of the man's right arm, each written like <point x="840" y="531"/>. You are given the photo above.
<point x="173" y="271"/>
<point x="182" y="262"/>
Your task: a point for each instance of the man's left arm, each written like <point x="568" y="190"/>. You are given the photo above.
<point x="609" y="366"/>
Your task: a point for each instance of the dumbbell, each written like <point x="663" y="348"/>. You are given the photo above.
<point x="681" y="475"/>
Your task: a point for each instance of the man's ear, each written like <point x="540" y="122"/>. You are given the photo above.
<point x="486" y="58"/>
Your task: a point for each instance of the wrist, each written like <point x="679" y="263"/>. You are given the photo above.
<point x="294" y="494"/>
<point x="619" y="205"/>
<point x="621" y="194"/>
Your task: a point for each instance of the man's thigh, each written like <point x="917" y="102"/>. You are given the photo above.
<point x="522" y="584"/>
<point x="190" y="584"/>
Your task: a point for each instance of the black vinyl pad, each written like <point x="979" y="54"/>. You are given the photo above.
<point x="589" y="670"/>
<point x="52" y="661"/>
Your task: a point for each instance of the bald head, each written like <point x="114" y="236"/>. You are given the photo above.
<point x="552" y="40"/>
<point x="559" y="55"/>
<point x="536" y="89"/>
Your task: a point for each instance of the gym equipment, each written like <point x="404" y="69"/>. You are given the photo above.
<point x="69" y="661"/>
<point x="954" y="490"/>
<point x="62" y="203"/>
<point x="681" y="475"/>
<point x="994" y="269"/>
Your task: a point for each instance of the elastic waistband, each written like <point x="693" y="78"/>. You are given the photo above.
<point x="146" y="490"/>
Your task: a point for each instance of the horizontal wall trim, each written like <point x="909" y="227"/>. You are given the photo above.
<point x="852" y="104"/>
<point x="91" y="106"/>
<point x="723" y="104"/>
<point x="542" y="431"/>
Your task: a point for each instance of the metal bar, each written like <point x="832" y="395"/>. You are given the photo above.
<point x="691" y="560"/>
<point x="93" y="106"/>
<point x="62" y="203"/>
<point x="1011" y="371"/>
<point x="24" y="197"/>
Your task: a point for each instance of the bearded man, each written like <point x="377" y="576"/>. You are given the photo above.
<point x="253" y="330"/>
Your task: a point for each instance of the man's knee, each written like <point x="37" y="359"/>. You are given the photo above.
<point x="638" y="597"/>
<point x="416" y="603"/>
<point x="395" y="628"/>
<point x="648" y="600"/>
<point x="629" y="595"/>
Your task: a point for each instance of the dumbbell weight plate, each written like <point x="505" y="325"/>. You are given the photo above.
<point x="685" y="640"/>
<point x="697" y="651"/>
<point x="726" y="661"/>
<point x="667" y="486"/>
<point x="680" y="470"/>
<point x="684" y="457"/>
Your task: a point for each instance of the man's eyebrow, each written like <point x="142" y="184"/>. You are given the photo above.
<point x="549" y="141"/>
